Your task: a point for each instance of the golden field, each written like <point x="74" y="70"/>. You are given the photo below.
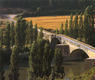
<point x="49" y="22"/>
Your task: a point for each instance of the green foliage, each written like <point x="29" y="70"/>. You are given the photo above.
<point x="66" y="27"/>
<point x="58" y="59"/>
<point x="57" y="31"/>
<point x="13" y="75"/>
<point x="1" y="65"/>
<point x="40" y="35"/>
<point x="39" y="59"/>
<point x="12" y="33"/>
<point x="89" y="29"/>
<point x="35" y="33"/>
<point x="7" y="36"/>
<point x="1" y="38"/>
<point x="81" y="28"/>
<point x="46" y="59"/>
<point x="29" y="33"/>
<point x="14" y="57"/>
<point x="89" y="75"/>
<point x="20" y="32"/>
<point x="71" y="26"/>
<point x="75" y="27"/>
<point x="61" y="31"/>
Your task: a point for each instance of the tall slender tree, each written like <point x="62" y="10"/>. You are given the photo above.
<point x="57" y="31"/>
<point x="1" y="65"/>
<point x="35" y="32"/>
<point x="81" y="29"/>
<point x="46" y="59"/>
<point x="20" y="32"/>
<point x="14" y="70"/>
<point x="89" y="26"/>
<point x="12" y="34"/>
<point x="1" y="38"/>
<point x="40" y="35"/>
<point x="66" y="27"/>
<point x="75" y="27"/>
<point x="29" y="33"/>
<point x="58" y="59"/>
<point x="61" y="31"/>
<point x="32" y="61"/>
<point x="71" y="26"/>
<point x="7" y="36"/>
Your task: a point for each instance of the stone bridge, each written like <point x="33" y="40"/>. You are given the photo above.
<point x="75" y="46"/>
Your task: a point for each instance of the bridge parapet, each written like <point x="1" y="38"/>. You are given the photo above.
<point x="73" y="43"/>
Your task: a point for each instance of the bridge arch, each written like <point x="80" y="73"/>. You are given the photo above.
<point x="79" y="54"/>
<point x="54" y="42"/>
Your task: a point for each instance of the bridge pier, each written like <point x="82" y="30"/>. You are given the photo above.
<point x="64" y="48"/>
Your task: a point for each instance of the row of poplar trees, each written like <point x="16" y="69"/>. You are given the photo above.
<point x="13" y="41"/>
<point x="80" y="27"/>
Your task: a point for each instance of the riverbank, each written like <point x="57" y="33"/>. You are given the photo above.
<point x="89" y="75"/>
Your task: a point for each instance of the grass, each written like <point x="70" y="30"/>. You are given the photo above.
<point x="89" y="75"/>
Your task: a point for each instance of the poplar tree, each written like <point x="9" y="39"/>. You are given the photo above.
<point x="14" y="70"/>
<point x="32" y="61"/>
<point x="46" y="59"/>
<point x="75" y="27"/>
<point x="1" y="38"/>
<point x="1" y="65"/>
<point x="89" y="26"/>
<point x="61" y="31"/>
<point x="58" y="59"/>
<point x="57" y="31"/>
<point x="20" y="33"/>
<point x="81" y="29"/>
<point x="12" y="34"/>
<point x="17" y="33"/>
<point x="29" y="33"/>
<point x="71" y="26"/>
<point x="40" y="36"/>
<point x="7" y="36"/>
<point x="35" y="32"/>
<point x="66" y="27"/>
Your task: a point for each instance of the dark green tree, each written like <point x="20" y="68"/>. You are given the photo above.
<point x="20" y="32"/>
<point x="75" y="27"/>
<point x="81" y="29"/>
<point x="35" y="32"/>
<point x="7" y="36"/>
<point x="58" y="59"/>
<point x="12" y="34"/>
<point x="89" y="26"/>
<point x="66" y="27"/>
<point x="40" y="35"/>
<point x="1" y="38"/>
<point x="29" y="33"/>
<point x="14" y="70"/>
<point x="1" y="65"/>
<point x="57" y="31"/>
<point x="32" y="61"/>
<point x="61" y="31"/>
<point x="71" y="26"/>
<point x="46" y="59"/>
